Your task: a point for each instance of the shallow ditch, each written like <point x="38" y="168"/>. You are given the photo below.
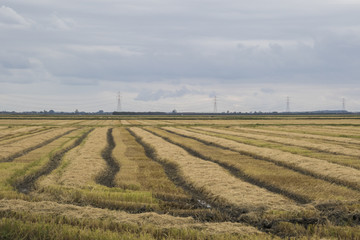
<point x="107" y="178"/>
<point x="19" y="154"/>
<point x="329" y="179"/>
<point x="213" y="211"/>
<point x="237" y="172"/>
<point x="26" y="185"/>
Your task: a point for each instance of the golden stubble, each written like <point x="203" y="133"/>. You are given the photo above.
<point x="85" y="162"/>
<point x="7" y="150"/>
<point x="125" y="122"/>
<point x="287" y="135"/>
<point x="313" y="165"/>
<point x="266" y="172"/>
<point x="160" y="221"/>
<point x="326" y="147"/>
<point x="322" y="130"/>
<point x="127" y="175"/>
<point x="214" y="180"/>
<point x="5" y="131"/>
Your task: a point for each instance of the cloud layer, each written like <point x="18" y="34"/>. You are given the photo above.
<point x="162" y="54"/>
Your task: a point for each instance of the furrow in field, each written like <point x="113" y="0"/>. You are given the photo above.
<point x="312" y="166"/>
<point x="90" y="123"/>
<point x="107" y="177"/>
<point x="162" y="179"/>
<point x="11" y="151"/>
<point x="285" y="134"/>
<point x="25" y="135"/>
<point x="27" y="183"/>
<point x="125" y="122"/>
<point x="134" y="122"/>
<point x="152" y="221"/>
<point x="85" y="161"/>
<point x="75" y="180"/>
<point x="325" y="147"/>
<point x="126" y="154"/>
<point x="341" y="159"/>
<point x="353" y="129"/>
<point x="214" y="180"/>
<point x="320" y="131"/>
<point x="297" y="186"/>
<point x="14" y="132"/>
<point x="145" y="122"/>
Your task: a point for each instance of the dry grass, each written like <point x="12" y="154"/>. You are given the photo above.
<point x="125" y="122"/>
<point x="351" y="161"/>
<point x="7" y="150"/>
<point x="134" y="122"/>
<point x="38" y="153"/>
<point x="292" y="135"/>
<point x="7" y="132"/>
<point x="269" y="121"/>
<point x="146" y="221"/>
<point x="90" y="123"/>
<point x="318" y="167"/>
<point x="85" y="161"/>
<point x="127" y="177"/>
<point x="267" y="174"/>
<point x="351" y="129"/>
<point x="321" y="130"/>
<point x="139" y="172"/>
<point x="24" y="135"/>
<point x="13" y="172"/>
<point x="24" y="122"/>
<point x="326" y="147"/>
<point x="75" y="180"/>
<point x="212" y="179"/>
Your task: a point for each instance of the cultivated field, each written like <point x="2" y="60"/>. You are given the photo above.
<point x="180" y="177"/>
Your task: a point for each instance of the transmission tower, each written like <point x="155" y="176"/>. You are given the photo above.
<point x="119" y="102"/>
<point x="215" y="105"/>
<point x="343" y="105"/>
<point x="288" y="104"/>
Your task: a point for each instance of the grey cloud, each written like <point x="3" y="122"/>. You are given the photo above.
<point x="220" y="43"/>
<point x="13" y="61"/>
<point x="148" y="95"/>
<point x="268" y="90"/>
<point x="275" y="61"/>
<point x="10" y="17"/>
<point x="61" y="23"/>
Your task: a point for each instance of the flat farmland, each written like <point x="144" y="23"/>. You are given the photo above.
<point x="180" y="177"/>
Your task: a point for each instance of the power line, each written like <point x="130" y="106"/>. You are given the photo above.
<point x="215" y="105"/>
<point x="288" y="104"/>
<point x="119" y="102"/>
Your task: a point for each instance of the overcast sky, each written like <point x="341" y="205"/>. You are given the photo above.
<point x="178" y="54"/>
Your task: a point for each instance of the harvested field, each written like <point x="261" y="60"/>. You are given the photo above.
<point x="152" y="223"/>
<point x="282" y="133"/>
<point x="326" y="147"/>
<point x="319" y="168"/>
<point x="11" y="138"/>
<point x="300" y="187"/>
<point x="125" y="122"/>
<point x="15" y="149"/>
<point x="214" y="180"/>
<point x="179" y="177"/>
<point x="85" y="162"/>
<point x="16" y="131"/>
<point x="323" y="130"/>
